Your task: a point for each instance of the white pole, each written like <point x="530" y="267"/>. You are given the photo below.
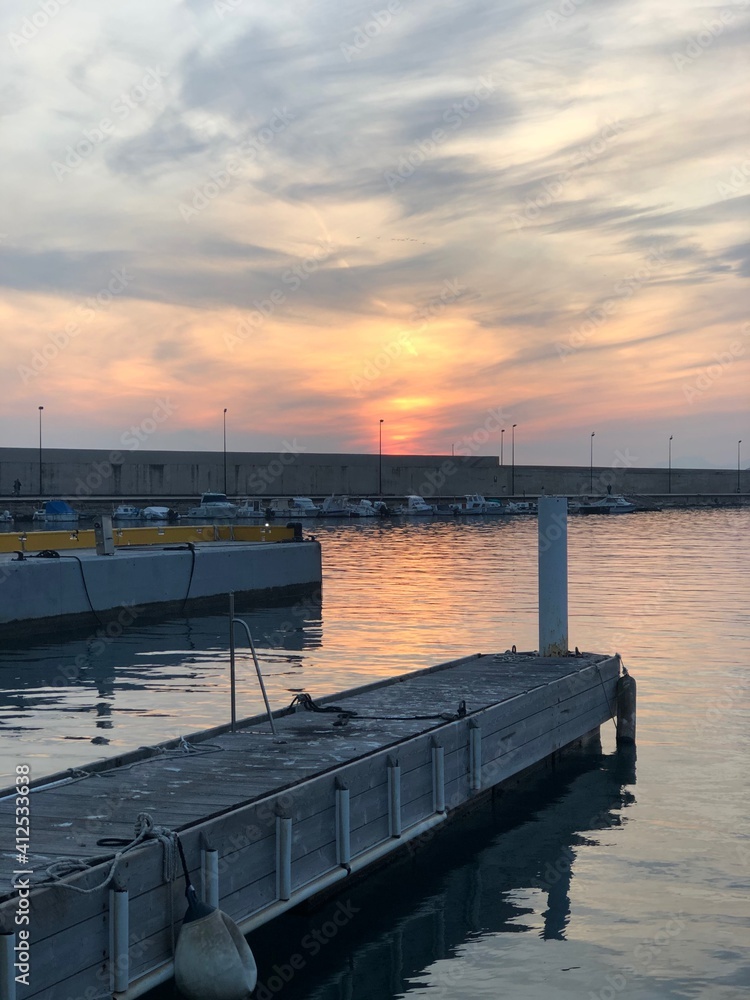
<point x="7" y="970"/>
<point x="553" y="576"/>
<point x="210" y="876"/>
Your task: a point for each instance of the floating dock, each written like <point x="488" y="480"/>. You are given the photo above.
<point x="267" y="822"/>
<point x="68" y="578"/>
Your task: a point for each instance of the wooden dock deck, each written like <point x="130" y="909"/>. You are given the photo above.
<point x="266" y="823"/>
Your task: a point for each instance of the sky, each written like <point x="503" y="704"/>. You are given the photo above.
<point x="452" y="216"/>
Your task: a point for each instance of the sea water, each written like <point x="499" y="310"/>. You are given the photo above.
<point x="617" y="875"/>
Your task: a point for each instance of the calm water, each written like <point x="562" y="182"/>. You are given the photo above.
<point x="597" y="884"/>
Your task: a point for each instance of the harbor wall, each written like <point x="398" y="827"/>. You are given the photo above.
<point x="71" y="588"/>
<point x="81" y="473"/>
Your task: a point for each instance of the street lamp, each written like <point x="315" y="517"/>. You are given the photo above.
<point x="502" y="434"/>
<point x="738" y="464"/>
<point x="591" y="464"/>
<point x="225" y="450"/>
<point x="670" y="464"/>
<point x="380" y="458"/>
<point x="40" y="450"/>
<point x="513" y="460"/>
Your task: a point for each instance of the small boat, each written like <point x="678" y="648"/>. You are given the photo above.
<point x="475" y="503"/>
<point x="294" y="507"/>
<point x="213" y="505"/>
<point x="126" y="512"/>
<point x="6" y="517"/>
<point x="617" y="504"/>
<point x="159" y="514"/>
<point x="363" y="508"/>
<point x="257" y="510"/>
<point x="415" y="506"/>
<point x="520" y="507"/>
<point x="56" y="512"/>
<point x="334" y="506"/>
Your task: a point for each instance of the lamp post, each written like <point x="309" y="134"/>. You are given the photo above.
<point x="591" y="463"/>
<point x="513" y="460"/>
<point x="502" y="435"/>
<point x="225" y="450"/>
<point x="40" y="450"/>
<point x="669" y="479"/>
<point x="380" y="458"/>
<point x="739" y="443"/>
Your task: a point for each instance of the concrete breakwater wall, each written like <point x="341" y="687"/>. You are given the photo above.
<point x="83" y="473"/>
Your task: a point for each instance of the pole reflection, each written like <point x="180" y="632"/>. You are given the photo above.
<point x="505" y="869"/>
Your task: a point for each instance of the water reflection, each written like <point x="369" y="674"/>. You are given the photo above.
<point x="506" y="869"/>
<point x="174" y="673"/>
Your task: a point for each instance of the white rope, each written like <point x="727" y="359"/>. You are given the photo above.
<point x="145" y="829"/>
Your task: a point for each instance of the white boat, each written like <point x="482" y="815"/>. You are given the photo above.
<point x="126" y="512"/>
<point x="363" y="508"/>
<point x="159" y="514"/>
<point x="334" y="506"/>
<point x="56" y="512"/>
<point x="214" y="505"/>
<point x="257" y="510"/>
<point x="475" y="503"/>
<point x="415" y="506"/>
<point x="520" y="507"/>
<point x="294" y="507"/>
<point x="6" y="517"/>
<point x="617" y="504"/>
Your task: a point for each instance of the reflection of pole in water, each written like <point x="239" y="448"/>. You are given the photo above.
<point x="467" y="880"/>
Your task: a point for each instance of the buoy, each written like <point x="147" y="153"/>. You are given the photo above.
<point x="626" y="714"/>
<point x="212" y="959"/>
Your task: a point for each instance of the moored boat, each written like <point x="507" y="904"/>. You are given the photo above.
<point x="415" y="506"/>
<point x="126" y="512"/>
<point x="363" y="508"/>
<point x="294" y="507"/>
<point x="475" y="503"/>
<point x="159" y="514"/>
<point x="256" y="510"/>
<point x="56" y="512"/>
<point x="213" y="505"/>
<point x="616" y="504"/>
<point x="334" y="506"/>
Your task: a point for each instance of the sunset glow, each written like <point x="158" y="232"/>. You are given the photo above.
<point x="533" y="209"/>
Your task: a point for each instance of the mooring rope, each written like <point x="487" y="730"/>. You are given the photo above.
<point x="144" y="829"/>
<point x="612" y="706"/>
<point x="305" y="701"/>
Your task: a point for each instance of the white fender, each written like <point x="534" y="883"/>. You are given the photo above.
<point x="213" y="960"/>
